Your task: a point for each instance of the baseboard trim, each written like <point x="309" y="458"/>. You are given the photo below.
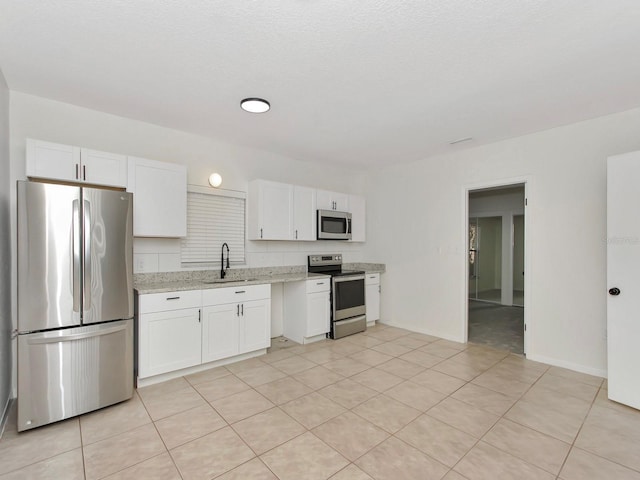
<point x="422" y="330"/>
<point x="576" y="367"/>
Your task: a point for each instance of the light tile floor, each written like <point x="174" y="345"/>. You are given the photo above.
<point x="385" y="404"/>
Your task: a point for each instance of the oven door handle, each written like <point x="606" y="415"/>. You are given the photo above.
<point x="347" y="278"/>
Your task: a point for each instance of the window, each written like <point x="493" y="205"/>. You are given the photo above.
<point x="213" y="217"/>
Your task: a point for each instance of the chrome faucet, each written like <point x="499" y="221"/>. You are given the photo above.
<point x="223" y="269"/>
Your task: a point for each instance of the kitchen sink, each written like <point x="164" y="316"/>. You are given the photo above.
<point x="230" y="280"/>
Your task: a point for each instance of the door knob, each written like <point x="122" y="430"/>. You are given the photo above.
<point x="614" y="291"/>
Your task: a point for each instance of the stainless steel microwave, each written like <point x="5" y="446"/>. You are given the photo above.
<point x="333" y="225"/>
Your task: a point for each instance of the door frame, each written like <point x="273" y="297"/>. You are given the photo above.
<point x="526" y="181"/>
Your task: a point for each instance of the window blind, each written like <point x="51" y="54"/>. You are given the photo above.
<point x="211" y="221"/>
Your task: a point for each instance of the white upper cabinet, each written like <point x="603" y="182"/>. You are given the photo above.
<point x="304" y="213"/>
<point x="102" y="168"/>
<point x="357" y="207"/>
<point x="280" y="211"/>
<point x="270" y="212"/>
<point x="74" y="164"/>
<point x="326" y="200"/>
<point x="159" y="198"/>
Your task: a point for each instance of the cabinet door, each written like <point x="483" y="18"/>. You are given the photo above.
<point x="324" y="200"/>
<point x="159" y="198"/>
<point x="168" y="341"/>
<point x="341" y="201"/>
<point x="52" y="160"/>
<point x="318" y="313"/>
<point x="255" y="325"/>
<point x="327" y="200"/>
<point x="220" y="331"/>
<point x="103" y="168"/>
<point x="357" y="209"/>
<point x="270" y="213"/>
<point x="304" y="213"/>
<point x="372" y="302"/>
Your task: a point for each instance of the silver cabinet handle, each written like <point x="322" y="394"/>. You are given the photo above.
<point x="296" y="234"/>
<point x="379" y="289"/>
<point x="241" y="291"/>
<point x="77" y="171"/>
<point x="84" y="172"/>
<point x="237" y="310"/>
<point x="260" y="233"/>
<point x="320" y="283"/>
<point x="173" y="298"/>
<point x="242" y="310"/>
<point x="199" y="315"/>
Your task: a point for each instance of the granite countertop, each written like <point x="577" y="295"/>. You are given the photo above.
<point x="202" y="279"/>
<point x="201" y="284"/>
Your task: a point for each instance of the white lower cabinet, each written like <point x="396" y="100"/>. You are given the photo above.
<point x="372" y="297"/>
<point x="255" y="325"/>
<point x="236" y="320"/>
<point x="169" y="331"/>
<point x="307" y="310"/>
<point x="220" y="332"/>
<point x="178" y="330"/>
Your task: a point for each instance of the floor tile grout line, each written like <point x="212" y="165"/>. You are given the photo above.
<point x="573" y="445"/>
<point x="448" y="395"/>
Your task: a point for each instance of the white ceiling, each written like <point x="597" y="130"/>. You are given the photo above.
<point x="362" y="83"/>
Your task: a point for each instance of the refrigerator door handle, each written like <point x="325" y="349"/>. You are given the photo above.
<point x="76" y="336"/>
<point x="75" y="246"/>
<point x="87" y="255"/>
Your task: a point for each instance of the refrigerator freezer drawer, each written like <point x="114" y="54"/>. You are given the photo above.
<point x="65" y="373"/>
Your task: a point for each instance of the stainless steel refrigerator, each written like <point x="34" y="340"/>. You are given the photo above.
<point x="75" y="301"/>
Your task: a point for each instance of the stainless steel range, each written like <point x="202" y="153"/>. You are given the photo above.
<point x="347" y="294"/>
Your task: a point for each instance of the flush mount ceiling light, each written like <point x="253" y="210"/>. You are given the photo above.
<point x="255" y="105"/>
<point x="215" y="180"/>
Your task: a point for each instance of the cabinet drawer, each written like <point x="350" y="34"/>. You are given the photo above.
<point x="160" y="302"/>
<point x="241" y="293"/>
<point x="372" y="279"/>
<point x="318" y="285"/>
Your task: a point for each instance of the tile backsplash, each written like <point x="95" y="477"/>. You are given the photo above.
<point x="151" y="255"/>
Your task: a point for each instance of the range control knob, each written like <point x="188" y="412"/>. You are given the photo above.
<point x="614" y="291"/>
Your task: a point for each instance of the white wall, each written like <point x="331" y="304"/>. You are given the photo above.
<point x="5" y="252"/>
<point x="419" y="231"/>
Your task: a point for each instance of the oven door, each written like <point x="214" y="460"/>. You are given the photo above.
<point x="348" y="296"/>
<point x="334" y="225"/>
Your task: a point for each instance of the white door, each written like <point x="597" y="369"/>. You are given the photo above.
<point x="255" y="325"/>
<point x="276" y="222"/>
<point x="220" y="327"/>
<point x="304" y="213"/>
<point x="623" y="278"/>
<point x="318" y="313"/>
<point x="169" y="341"/>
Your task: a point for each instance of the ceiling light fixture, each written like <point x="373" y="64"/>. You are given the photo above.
<point x="255" y="105"/>
<point x="215" y="180"/>
<point x="460" y="140"/>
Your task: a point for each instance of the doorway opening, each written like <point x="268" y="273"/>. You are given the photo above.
<point x="496" y="274"/>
